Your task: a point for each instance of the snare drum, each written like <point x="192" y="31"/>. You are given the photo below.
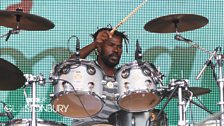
<point x="137" y="86"/>
<point x="27" y="122"/>
<point x="77" y="88"/>
<point x="148" y="118"/>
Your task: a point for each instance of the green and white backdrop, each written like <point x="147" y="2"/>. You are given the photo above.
<point x="35" y="52"/>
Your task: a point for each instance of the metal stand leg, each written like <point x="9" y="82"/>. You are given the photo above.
<point x="182" y="105"/>
<point x="221" y="86"/>
<point x="32" y="80"/>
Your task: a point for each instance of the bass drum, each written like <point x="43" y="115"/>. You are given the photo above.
<point x="138" y="86"/>
<point x="148" y="118"/>
<point x="27" y="122"/>
<point x="77" y="88"/>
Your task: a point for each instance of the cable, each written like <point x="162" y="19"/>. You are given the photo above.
<point x="68" y="42"/>
<point x="76" y="95"/>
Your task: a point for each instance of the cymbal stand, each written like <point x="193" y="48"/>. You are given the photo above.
<point x="182" y="104"/>
<point x="177" y="85"/>
<point x="32" y="81"/>
<point x="15" y="30"/>
<point x="188" y="41"/>
<point x="219" y="58"/>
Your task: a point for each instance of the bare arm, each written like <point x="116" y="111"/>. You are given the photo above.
<point x="85" y="51"/>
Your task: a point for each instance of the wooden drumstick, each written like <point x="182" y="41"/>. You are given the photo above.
<point x="128" y="16"/>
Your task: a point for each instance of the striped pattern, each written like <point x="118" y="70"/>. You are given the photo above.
<point x="109" y="107"/>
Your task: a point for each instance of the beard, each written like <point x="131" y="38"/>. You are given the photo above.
<point x="111" y="60"/>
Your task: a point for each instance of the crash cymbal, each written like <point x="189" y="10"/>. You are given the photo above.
<point x="197" y="91"/>
<point x="24" y="21"/>
<point x="176" y="23"/>
<point x="11" y="78"/>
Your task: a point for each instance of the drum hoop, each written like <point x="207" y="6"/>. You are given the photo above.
<point x="81" y="62"/>
<point x="140" y="91"/>
<point x="62" y="92"/>
<point x="69" y="92"/>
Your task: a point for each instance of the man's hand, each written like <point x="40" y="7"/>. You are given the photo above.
<point x="102" y="37"/>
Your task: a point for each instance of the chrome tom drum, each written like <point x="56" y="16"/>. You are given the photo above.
<point x="137" y="86"/>
<point x="77" y="88"/>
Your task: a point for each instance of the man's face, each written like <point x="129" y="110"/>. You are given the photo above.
<point x="111" y="51"/>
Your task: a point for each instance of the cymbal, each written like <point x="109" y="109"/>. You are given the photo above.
<point x="197" y="91"/>
<point x="11" y="78"/>
<point x="176" y="23"/>
<point x="24" y="21"/>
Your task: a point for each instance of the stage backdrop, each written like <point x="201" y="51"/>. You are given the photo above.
<point x="35" y="52"/>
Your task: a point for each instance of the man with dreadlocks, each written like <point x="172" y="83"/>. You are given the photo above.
<point x="109" y="48"/>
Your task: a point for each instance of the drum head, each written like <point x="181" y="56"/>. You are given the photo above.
<point x="137" y="102"/>
<point x="77" y="106"/>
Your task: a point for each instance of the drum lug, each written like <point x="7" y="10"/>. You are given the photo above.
<point x="127" y="85"/>
<point x="104" y="82"/>
<point x="91" y="85"/>
<point x="116" y="96"/>
<point x="103" y="97"/>
<point x="115" y="84"/>
<point x="125" y="73"/>
<point x="91" y="70"/>
<point x="51" y="95"/>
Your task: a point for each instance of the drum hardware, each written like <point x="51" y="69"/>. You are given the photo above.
<point x="200" y="106"/>
<point x="212" y="120"/>
<point x="90" y="87"/>
<point x="137" y="90"/>
<point x="7" y="112"/>
<point x="179" y="86"/>
<point x="80" y="88"/>
<point x="32" y="80"/>
<point x="11" y="32"/>
<point x="138" y="52"/>
<point x="11" y="77"/>
<point x="220" y="81"/>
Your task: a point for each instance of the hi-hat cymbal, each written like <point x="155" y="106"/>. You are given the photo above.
<point x="176" y="23"/>
<point x="11" y="78"/>
<point x="197" y="91"/>
<point x="25" y="21"/>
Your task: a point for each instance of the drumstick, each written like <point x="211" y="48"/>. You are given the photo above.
<point x="128" y="16"/>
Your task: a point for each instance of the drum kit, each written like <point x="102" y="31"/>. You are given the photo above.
<point x="78" y="83"/>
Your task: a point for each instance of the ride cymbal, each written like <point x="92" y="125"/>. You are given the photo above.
<point x="11" y="78"/>
<point x="24" y="21"/>
<point x="176" y="23"/>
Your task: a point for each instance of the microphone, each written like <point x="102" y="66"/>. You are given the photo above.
<point x="7" y="111"/>
<point x="181" y="38"/>
<point x="138" y="52"/>
<point x="207" y="63"/>
<point x="77" y="53"/>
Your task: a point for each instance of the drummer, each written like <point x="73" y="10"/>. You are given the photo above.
<point x="109" y="48"/>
